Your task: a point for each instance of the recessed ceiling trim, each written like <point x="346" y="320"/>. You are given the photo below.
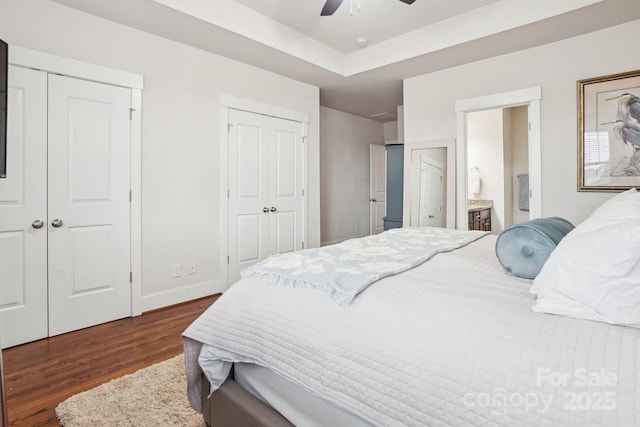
<point x="246" y="22"/>
<point x="482" y="22"/>
<point x="494" y="18"/>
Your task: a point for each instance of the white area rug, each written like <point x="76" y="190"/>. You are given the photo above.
<point x="153" y="396"/>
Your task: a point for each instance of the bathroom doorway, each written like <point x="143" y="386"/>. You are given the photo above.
<point x="528" y="98"/>
<point x="498" y="161"/>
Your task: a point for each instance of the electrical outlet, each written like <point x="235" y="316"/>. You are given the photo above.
<point x="191" y="267"/>
<point x="175" y="270"/>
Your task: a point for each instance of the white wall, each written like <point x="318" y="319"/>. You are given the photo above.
<point x="507" y="173"/>
<point x="180" y="133"/>
<point x="391" y="132"/>
<point x="485" y="151"/>
<point x="429" y="103"/>
<point x="344" y="173"/>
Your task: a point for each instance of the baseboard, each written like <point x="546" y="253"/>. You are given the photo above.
<point x="333" y="242"/>
<point x="177" y="295"/>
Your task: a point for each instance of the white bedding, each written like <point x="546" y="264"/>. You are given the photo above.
<point x="451" y="342"/>
<point x="296" y="404"/>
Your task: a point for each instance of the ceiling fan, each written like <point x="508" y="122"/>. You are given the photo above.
<point x="332" y="5"/>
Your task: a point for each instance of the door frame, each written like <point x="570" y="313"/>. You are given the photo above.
<point x="231" y="102"/>
<point x="450" y="191"/>
<point x="27" y="58"/>
<point x="530" y="97"/>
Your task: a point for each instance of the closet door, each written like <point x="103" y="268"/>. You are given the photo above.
<point x="89" y="227"/>
<point x="266" y="170"/>
<point x="248" y="208"/>
<point x="23" y="211"/>
<point x="286" y="163"/>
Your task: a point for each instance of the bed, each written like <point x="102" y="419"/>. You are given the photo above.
<point x="451" y="342"/>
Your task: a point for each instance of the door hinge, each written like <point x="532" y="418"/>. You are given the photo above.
<point x="530" y="194"/>
<point x="130" y="195"/>
<point x="440" y="178"/>
<point x="229" y="128"/>
<point x="302" y="245"/>
<point x="131" y="110"/>
<point x="227" y="259"/>
<point x="131" y="277"/>
<point x="529" y="125"/>
<point x="303" y="191"/>
<point x="228" y="194"/>
<point x="304" y="139"/>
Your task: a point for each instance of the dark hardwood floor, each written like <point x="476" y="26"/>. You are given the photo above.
<point x="41" y="374"/>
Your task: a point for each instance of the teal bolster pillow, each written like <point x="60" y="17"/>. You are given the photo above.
<point x="522" y="249"/>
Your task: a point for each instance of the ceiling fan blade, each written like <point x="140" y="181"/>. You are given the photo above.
<point x="407" y="1"/>
<point x="330" y="6"/>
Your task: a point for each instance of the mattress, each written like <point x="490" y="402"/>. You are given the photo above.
<point x="450" y="342"/>
<point x="297" y="405"/>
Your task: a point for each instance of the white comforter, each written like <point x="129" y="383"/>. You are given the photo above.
<point x="451" y="342"/>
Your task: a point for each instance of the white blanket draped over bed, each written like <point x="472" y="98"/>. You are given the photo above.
<point x="342" y="271"/>
<point x="450" y="342"/>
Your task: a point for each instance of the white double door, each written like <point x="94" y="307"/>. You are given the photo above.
<point x="265" y="198"/>
<point x="64" y="206"/>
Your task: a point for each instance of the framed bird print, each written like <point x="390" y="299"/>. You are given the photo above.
<point x="609" y="132"/>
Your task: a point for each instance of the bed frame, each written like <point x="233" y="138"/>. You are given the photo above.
<point x="233" y="406"/>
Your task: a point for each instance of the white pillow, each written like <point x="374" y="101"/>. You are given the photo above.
<point x="621" y="208"/>
<point x="594" y="273"/>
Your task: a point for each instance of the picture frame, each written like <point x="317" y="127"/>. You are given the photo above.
<point x="609" y="132"/>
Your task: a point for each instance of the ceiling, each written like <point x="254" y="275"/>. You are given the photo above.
<point x="289" y="37"/>
<point x="377" y="20"/>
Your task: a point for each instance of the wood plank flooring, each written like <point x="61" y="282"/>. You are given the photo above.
<point x="41" y="374"/>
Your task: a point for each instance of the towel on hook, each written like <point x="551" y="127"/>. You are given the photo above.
<point x="523" y="192"/>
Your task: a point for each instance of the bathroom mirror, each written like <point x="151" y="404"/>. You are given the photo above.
<point x="429" y="184"/>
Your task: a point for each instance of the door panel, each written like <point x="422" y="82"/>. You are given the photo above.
<point x="90" y="140"/>
<point x="285" y="171"/>
<point x="378" y="187"/>
<point x="249" y="176"/>
<point x="88" y="184"/>
<point x="92" y="259"/>
<point x="250" y="232"/>
<point x="248" y="191"/>
<point x="23" y="200"/>
<point x="431" y="192"/>
<point x="12" y="254"/>
<point x="286" y="227"/>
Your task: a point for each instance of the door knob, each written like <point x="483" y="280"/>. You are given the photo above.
<point x="57" y="223"/>
<point x="273" y="209"/>
<point x="37" y="224"/>
<point x="265" y="209"/>
<point x="373" y="200"/>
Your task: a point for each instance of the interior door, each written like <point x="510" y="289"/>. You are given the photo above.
<point x="88" y="187"/>
<point x="248" y="203"/>
<point x="377" y="187"/>
<point x="285" y="186"/>
<point x="431" y="192"/>
<point x="23" y="211"/>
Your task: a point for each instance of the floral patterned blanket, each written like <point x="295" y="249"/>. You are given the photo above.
<point x="344" y="270"/>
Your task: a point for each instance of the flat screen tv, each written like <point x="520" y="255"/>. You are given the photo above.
<point x="4" y="71"/>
